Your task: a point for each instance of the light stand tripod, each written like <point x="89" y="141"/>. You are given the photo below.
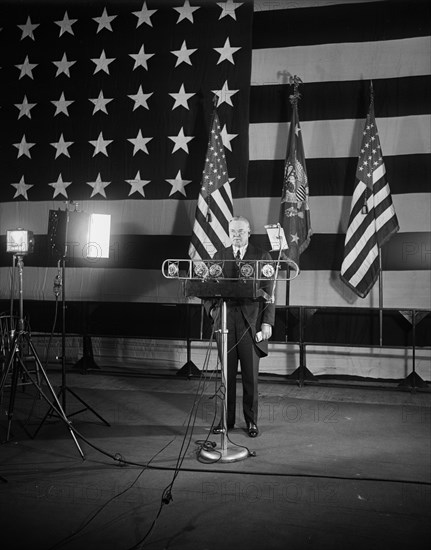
<point x="60" y="285"/>
<point x="15" y="361"/>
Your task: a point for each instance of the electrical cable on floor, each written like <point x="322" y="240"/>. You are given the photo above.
<point x="167" y="497"/>
<point x="101" y="508"/>
<point x="167" y="492"/>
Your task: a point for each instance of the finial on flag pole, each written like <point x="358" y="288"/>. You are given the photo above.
<point x="295" y="81"/>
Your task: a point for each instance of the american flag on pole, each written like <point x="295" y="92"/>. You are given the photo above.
<point x="372" y="216"/>
<point x="214" y="208"/>
<point x="294" y="209"/>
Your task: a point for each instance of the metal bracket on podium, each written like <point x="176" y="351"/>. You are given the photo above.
<point x="207" y="279"/>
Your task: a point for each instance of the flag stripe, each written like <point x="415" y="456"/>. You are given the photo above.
<point x="336" y="176"/>
<point x="330" y="214"/>
<point x="341" y="100"/>
<point x="404" y="251"/>
<point x="338" y="138"/>
<point x="345" y="23"/>
<point x="370" y="59"/>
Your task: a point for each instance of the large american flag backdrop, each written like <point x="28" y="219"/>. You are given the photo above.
<point x="108" y="104"/>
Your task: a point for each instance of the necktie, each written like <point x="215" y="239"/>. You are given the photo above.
<point x="238" y="254"/>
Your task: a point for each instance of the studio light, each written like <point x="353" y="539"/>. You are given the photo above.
<point x="75" y="234"/>
<point x="19" y="241"/>
<point x="99" y="231"/>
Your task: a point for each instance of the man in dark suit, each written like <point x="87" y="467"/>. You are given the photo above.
<point x="249" y="326"/>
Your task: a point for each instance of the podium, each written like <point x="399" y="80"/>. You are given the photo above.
<point x="205" y="279"/>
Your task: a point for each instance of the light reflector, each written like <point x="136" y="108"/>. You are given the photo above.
<point x="99" y="232"/>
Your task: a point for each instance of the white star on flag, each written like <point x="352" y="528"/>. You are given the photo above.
<point x="227" y="138"/>
<point x="183" y="54"/>
<point x="104" y="21"/>
<point x="224" y="95"/>
<point x="61" y="147"/>
<point x="141" y="58"/>
<point x="178" y="184"/>
<point x="139" y="143"/>
<point x="26" y="68"/>
<point x="102" y="63"/>
<point x="100" y="145"/>
<point x="140" y="99"/>
<point x="21" y="188"/>
<point x="144" y="15"/>
<point x="181" y="98"/>
<point x="62" y="105"/>
<point x="24" y="108"/>
<point x="100" y="103"/>
<point x="226" y="53"/>
<point x="98" y="186"/>
<point x="63" y="66"/>
<point x="228" y="8"/>
<point x="137" y="184"/>
<point x="24" y="147"/>
<point x="186" y="11"/>
<point x="180" y="141"/>
<point x="66" y="25"/>
<point x="28" y="28"/>
<point x="60" y="186"/>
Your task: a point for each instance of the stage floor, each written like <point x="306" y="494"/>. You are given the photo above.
<point x="334" y="468"/>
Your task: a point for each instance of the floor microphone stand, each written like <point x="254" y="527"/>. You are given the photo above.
<point x="15" y="362"/>
<point x="226" y="453"/>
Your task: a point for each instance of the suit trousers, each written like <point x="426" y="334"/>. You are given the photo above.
<point x="242" y="351"/>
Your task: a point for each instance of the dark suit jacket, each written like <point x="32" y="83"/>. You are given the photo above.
<point x="255" y="311"/>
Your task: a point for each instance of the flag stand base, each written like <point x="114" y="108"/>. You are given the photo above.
<point x="413" y="380"/>
<point x="188" y="370"/>
<point x="302" y="374"/>
<point x="87" y="361"/>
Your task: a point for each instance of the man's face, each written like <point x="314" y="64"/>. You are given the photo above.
<point x="239" y="232"/>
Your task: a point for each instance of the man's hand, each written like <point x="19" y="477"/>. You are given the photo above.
<point x="266" y="331"/>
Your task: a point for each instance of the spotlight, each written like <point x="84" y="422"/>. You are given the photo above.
<point x="19" y="241"/>
<point x="99" y="231"/>
<point x="71" y="232"/>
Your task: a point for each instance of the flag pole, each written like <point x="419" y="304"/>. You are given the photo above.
<point x="380" y="257"/>
<point x="294" y="81"/>
<point x="380" y="299"/>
